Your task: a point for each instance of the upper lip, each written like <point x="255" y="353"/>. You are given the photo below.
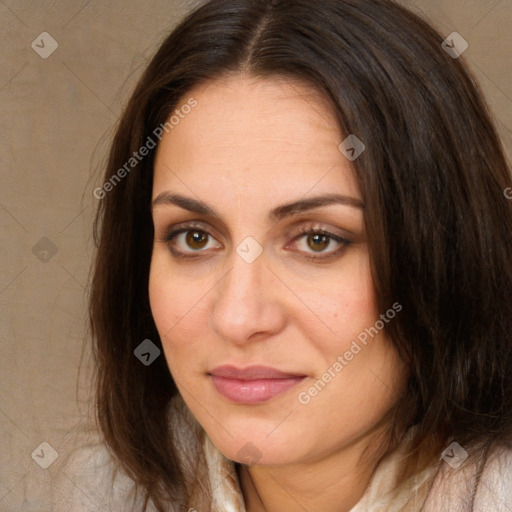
<point x="252" y="372"/>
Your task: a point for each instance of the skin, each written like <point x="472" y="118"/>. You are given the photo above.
<point x="251" y="145"/>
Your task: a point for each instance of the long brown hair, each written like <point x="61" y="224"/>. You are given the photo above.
<point x="432" y="180"/>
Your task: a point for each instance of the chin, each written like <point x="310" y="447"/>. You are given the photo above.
<point x="251" y="453"/>
<point x="251" y="447"/>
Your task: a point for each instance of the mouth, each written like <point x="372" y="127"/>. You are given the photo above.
<point x="252" y="385"/>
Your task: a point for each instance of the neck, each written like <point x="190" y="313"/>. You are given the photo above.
<point x="334" y="483"/>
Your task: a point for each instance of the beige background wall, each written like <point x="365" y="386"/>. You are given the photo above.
<point x="57" y="118"/>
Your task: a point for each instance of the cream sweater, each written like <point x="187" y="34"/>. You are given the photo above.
<point x="87" y="482"/>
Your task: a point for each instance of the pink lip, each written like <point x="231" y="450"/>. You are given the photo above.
<point x="252" y="385"/>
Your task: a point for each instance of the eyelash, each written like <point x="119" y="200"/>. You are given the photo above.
<point x="171" y="234"/>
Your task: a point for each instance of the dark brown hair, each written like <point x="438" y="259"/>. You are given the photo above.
<point x="432" y="180"/>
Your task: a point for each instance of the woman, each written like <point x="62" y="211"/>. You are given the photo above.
<point x="301" y="294"/>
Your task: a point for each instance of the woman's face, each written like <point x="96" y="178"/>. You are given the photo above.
<point x="240" y="178"/>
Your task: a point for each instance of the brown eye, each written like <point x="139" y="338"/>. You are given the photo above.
<point x="319" y="245"/>
<point x="196" y="239"/>
<point x="318" y="242"/>
<point x="189" y="242"/>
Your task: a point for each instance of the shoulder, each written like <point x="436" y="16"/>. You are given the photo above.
<point x="484" y="485"/>
<point x="459" y="482"/>
<point x="86" y="478"/>
<point x="495" y="489"/>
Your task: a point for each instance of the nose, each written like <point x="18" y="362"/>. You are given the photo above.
<point x="247" y="305"/>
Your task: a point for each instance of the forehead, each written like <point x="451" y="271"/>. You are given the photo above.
<point x="252" y="133"/>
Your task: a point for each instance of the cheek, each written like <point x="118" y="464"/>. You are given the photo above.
<point x="178" y="307"/>
<point x="170" y="301"/>
<point x="162" y="299"/>
<point x="168" y="313"/>
<point x="348" y="307"/>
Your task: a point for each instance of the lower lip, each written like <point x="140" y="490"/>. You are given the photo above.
<point x="253" y="391"/>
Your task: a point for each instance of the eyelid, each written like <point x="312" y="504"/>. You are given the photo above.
<point x="318" y="227"/>
<point x="166" y="231"/>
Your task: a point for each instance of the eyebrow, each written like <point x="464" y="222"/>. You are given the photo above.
<point x="275" y="215"/>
